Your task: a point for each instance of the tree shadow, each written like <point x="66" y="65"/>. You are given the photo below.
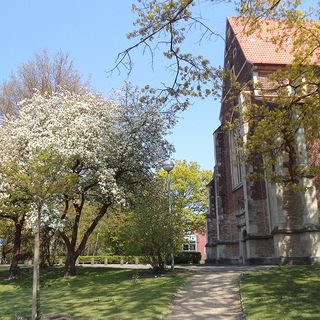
<point x="282" y="293"/>
<point x="102" y="292"/>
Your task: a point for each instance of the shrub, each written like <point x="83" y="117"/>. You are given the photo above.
<point x="113" y="259"/>
<point x="187" y="257"/>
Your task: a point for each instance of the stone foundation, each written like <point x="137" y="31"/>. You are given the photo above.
<point x="263" y="261"/>
<point x="228" y="252"/>
<point x="260" y="246"/>
<point x="211" y="250"/>
<point x="297" y="246"/>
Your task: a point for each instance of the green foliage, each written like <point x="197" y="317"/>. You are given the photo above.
<point x="31" y="185"/>
<point x="189" y="194"/>
<point x="36" y="180"/>
<point x="275" y="124"/>
<point x="290" y="104"/>
<point x="102" y="293"/>
<point x="187" y="257"/>
<point x="113" y="259"/>
<point x="149" y="229"/>
<point x="165" y="25"/>
<point x="106" y="239"/>
<point x="286" y="293"/>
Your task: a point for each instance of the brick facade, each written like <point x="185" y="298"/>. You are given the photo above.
<point x="255" y="222"/>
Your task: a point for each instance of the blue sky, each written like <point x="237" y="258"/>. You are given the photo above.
<point x="93" y="32"/>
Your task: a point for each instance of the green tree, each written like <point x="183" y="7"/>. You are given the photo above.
<point x="108" y="239"/>
<point x="189" y="194"/>
<point x="149" y="229"/>
<point x="38" y="180"/>
<point x="273" y="131"/>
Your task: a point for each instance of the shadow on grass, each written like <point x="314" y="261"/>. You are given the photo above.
<point x="98" y="293"/>
<point x="282" y="293"/>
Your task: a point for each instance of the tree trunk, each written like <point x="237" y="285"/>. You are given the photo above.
<point x="70" y="266"/>
<point x="72" y="252"/>
<point x="161" y="263"/>
<point x="36" y="272"/>
<point x="14" y="269"/>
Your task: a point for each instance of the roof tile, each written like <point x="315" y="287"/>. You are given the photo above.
<point x="258" y="46"/>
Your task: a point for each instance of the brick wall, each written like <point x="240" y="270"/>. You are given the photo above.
<point x="201" y="246"/>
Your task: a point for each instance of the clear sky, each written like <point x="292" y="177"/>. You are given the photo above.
<point x="93" y="32"/>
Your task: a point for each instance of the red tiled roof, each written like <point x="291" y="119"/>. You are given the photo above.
<point x="258" y="46"/>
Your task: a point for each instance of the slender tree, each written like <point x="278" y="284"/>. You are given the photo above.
<point x="147" y="227"/>
<point x="150" y="229"/>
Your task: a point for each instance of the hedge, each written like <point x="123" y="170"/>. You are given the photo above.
<point x="112" y="259"/>
<point x="180" y="258"/>
<point x="187" y="257"/>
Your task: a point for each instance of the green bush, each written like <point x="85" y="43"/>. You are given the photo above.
<point x="187" y="257"/>
<point x="144" y="259"/>
<point x="112" y="259"/>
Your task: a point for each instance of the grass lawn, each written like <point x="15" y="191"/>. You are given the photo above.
<point x="282" y="293"/>
<point x="95" y="293"/>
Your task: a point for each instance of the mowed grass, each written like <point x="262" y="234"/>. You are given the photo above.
<point x="95" y="293"/>
<point x="282" y="293"/>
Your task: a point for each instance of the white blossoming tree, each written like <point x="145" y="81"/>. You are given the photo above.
<point x="104" y="148"/>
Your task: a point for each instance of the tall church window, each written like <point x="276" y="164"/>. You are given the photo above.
<point x="235" y="156"/>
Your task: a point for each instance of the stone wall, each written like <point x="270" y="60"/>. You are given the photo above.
<point x="258" y="217"/>
<point x="228" y="252"/>
<point x="261" y="247"/>
<point x="211" y="250"/>
<point x="297" y="246"/>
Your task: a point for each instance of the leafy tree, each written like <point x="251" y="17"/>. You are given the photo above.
<point x="40" y="179"/>
<point x="290" y="104"/>
<point x="46" y="75"/>
<point x="275" y="125"/>
<point x="149" y="229"/>
<point x="189" y="194"/>
<point x="108" y="236"/>
<point x="166" y="24"/>
<point x="106" y="147"/>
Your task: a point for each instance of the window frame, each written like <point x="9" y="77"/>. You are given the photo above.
<point x="236" y="165"/>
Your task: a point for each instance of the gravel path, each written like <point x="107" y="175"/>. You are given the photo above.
<point x="212" y="293"/>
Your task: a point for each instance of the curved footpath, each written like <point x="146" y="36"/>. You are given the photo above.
<point x="211" y="293"/>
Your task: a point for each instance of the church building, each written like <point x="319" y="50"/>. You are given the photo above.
<point x="252" y="221"/>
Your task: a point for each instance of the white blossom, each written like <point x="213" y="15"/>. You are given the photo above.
<point x="108" y="145"/>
